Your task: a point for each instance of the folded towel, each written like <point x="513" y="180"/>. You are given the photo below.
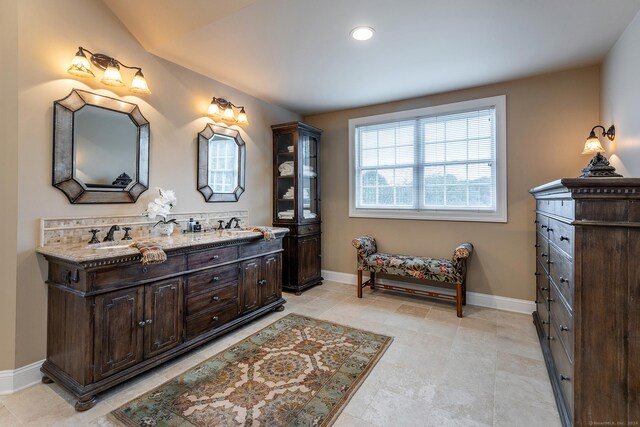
<point x="151" y="254"/>
<point x="267" y="233"/>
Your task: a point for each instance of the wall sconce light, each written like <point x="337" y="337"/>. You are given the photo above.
<point x="599" y="165"/>
<point x="222" y="109"/>
<point x="81" y="67"/>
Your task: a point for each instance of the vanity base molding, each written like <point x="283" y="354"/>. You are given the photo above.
<point x="112" y="319"/>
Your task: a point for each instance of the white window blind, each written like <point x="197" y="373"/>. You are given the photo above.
<point x="437" y="163"/>
<point x="223" y="164"/>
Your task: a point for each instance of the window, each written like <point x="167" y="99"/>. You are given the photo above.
<point x="446" y="162"/>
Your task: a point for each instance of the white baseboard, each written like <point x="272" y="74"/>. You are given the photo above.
<point x="473" y="298"/>
<point x="17" y="379"/>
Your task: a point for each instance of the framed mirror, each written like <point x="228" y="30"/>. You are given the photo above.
<point x="100" y="149"/>
<point x="221" y="164"/>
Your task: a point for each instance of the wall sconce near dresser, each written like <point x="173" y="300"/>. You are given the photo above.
<point x="223" y="110"/>
<point x="81" y="67"/>
<point x="599" y="166"/>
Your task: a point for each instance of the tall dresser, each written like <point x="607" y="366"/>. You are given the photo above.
<point x="588" y="295"/>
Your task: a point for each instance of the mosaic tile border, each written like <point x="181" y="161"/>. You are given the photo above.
<point x="55" y="231"/>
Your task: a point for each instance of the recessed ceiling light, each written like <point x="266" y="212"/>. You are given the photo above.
<point x="362" y="33"/>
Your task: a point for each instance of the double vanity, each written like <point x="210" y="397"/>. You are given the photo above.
<point x="110" y="317"/>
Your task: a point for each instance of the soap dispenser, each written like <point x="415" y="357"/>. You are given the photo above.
<point x="191" y="225"/>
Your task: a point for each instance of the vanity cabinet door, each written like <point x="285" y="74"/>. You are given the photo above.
<point x="271" y="289"/>
<point x="118" y="333"/>
<point x="163" y="316"/>
<point x="309" y="258"/>
<point x="250" y="272"/>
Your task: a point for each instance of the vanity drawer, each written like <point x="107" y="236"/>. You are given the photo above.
<point x="217" y="297"/>
<point x="212" y="257"/>
<point x="137" y="272"/>
<point x="213" y="278"/>
<point x="561" y="272"/>
<point x="563" y="321"/>
<point x="260" y="247"/>
<point x="561" y="235"/>
<point x="564" y="368"/>
<point x="208" y="321"/>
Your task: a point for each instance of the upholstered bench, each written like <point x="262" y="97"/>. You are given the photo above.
<point x="448" y="272"/>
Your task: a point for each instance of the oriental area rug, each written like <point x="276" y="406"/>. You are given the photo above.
<point x="298" y="371"/>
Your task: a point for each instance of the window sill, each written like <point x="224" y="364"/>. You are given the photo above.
<point x="462" y="216"/>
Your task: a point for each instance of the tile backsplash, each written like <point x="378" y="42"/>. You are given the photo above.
<point x="54" y="231"/>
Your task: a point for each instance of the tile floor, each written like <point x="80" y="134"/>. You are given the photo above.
<point x="485" y="369"/>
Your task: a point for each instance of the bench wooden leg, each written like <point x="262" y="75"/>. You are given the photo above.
<point x="459" y="299"/>
<point x="359" y="284"/>
<point x="464" y="291"/>
<point x="372" y="280"/>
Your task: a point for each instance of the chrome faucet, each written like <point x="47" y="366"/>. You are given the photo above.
<point x="113" y="229"/>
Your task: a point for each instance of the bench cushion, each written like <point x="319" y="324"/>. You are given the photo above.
<point x="442" y="270"/>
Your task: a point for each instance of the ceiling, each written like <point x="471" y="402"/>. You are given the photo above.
<point x="298" y="53"/>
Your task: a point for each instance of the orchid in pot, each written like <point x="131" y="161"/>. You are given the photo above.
<point x="161" y="207"/>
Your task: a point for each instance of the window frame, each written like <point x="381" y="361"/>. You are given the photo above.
<point x="471" y="215"/>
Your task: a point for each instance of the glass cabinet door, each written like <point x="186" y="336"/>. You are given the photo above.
<point x="285" y="179"/>
<point x="308" y="173"/>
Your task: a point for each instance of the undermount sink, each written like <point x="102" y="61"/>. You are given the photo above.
<point x="108" y="245"/>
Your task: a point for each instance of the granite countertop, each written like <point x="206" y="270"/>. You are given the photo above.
<point x="84" y="252"/>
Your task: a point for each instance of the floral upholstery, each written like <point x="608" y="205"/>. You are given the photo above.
<point x="442" y="270"/>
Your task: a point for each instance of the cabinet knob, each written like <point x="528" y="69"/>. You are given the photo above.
<point x="563" y="280"/>
<point x="563" y="378"/>
<point x="149" y="321"/>
<point x="215" y="318"/>
<point x="262" y="282"/>
<point x="564" y="238"/>
<point x="141" y="323"/>
<point x="215" y="257"/>
<point x="215" y="278"/>
<point x="216" y="298"/>
<point x="563" y="328"/>
<point x="145" y="270"/>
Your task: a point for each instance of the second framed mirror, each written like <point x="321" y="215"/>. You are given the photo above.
<point x="221" y="164"/>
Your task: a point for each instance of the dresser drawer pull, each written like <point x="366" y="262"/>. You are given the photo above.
<point x="550" y="299"/>
<point x="564" y="238"/>
<point x="537" y="301"/>
<point x="543" y="226"/>
<point x="563" y="378"/>
<point x="550" y="230"/>
<point x="216" y="298"/>
<point x="215" y="278"/>
<point x="215" y="318"/>
<point x="215" y="257"/>
<point x="543" y="255"/>
<point x="536" y="222"/>
<point x="537" y="273"/>
<point x="544" y="289"/>
<point x="564" y="328"/>
<point x="563" y="280"/>
<point x="536" y="245"/>
<point x="550" y="338"/>
<point x="544" y="322"/>
<point x="550" y="262"/>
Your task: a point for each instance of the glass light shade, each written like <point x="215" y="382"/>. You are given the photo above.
<point x="242" y="117"/>
<point x="80" y="66"/>
<point x="112" y="76"/>
<point x="214" y="110"/>
<point x="228" y="113"/>
<point x="139" y="84"/>
<point x="592" y="146"/>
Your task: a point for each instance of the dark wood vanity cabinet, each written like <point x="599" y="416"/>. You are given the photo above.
<point x="296" y="205"/>
<point x="111" y="319"/>
<point x="587" y="294"/>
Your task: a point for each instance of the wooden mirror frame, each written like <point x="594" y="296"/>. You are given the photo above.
<point x="203" y="163"/>
<point x="64" y="177"/>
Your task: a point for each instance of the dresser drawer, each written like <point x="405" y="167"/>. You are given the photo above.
<point x="563" y="367"/>
<point x="562" y="319"/>
<point x="545" y="206"/>
<point x="213" y="298"/>
<point x="212" y="257"/>
<point x="561" y="235"/>
<point x="212" y="278"/>
<point x="565" y="208"/>
<point x="137" y="272"/>
<point x="210" y="320"/>
<point x="561" y="272"/>
<point x="542" y="307"/>
<point x="542" y="251"/>
<point x="542" y="223"/>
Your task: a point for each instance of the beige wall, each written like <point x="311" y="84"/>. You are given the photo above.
<point x="621" y="100"/>
<point x="547" y="117"/>
<point x="9" y="179"/>
<point x="49" y="34"/>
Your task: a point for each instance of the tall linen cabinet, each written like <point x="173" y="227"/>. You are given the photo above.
<point x="588" y="297"/>
<point x="296" y="202"/>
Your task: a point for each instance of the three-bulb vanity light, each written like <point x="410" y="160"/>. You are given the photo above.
<point x="222" y="109"/>
<point x="81" y="67"/>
